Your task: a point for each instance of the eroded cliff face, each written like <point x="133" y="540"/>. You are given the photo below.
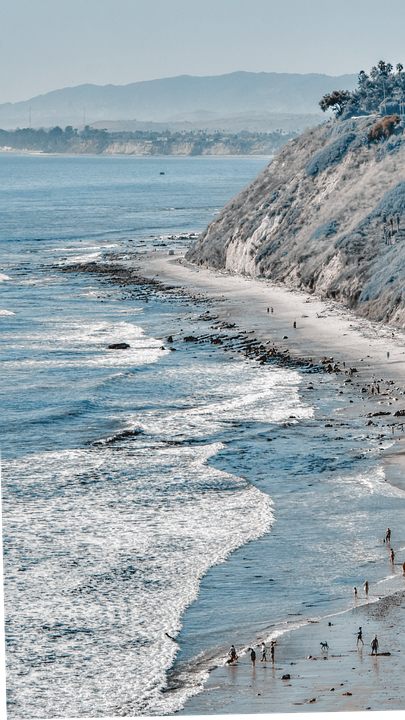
<point x="323" y="217"/>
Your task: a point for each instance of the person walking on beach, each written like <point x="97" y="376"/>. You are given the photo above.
<point x="387" y="535"/>
<point x="392" y="556"/>
<point x="272" y="647"/>
<point x="403" y="568"/>
<point x="374" y="645"/>
<point x="366" y="586"/>
<point x="263" y="657"/>
<point x="355" y="592"/>
<point x="252" y="656"/>
<point x="232" y="655"/>
<point x="360" y="637"/>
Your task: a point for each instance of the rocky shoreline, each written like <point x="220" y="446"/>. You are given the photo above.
<point x="248" y="343"/>
<point x="253" y="348"/>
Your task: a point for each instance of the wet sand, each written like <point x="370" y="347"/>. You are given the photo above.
<point x="342" y="679"/>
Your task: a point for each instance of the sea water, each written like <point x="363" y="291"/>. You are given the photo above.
<point x="145" y="492"/>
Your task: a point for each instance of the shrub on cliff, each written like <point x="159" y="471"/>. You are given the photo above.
<point x="331" y="155"/>
<point x="383" y="128"/>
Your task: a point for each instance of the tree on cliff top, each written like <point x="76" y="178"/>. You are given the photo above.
<point x="336" y="101"/>
<point x="381" y="90"/>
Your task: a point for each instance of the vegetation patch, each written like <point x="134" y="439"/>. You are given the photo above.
<point x="382" y="91"/>
<point x="383" y="128"/>
<point x="325" y="230"/>
<point x="331" y="155"/>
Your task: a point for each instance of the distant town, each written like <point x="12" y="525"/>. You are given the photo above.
<point x="93" y="141"/>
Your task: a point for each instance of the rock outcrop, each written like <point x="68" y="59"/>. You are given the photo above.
<point x="327" y="215"/>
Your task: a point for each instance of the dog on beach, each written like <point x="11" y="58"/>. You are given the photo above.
<point x="324" y="645"/>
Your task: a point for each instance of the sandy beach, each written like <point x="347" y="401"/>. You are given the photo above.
<point x="342" y="678"/>
<point x="244" y="301"/>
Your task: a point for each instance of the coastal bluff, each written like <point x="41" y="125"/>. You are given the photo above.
<point x="326" y="216"/>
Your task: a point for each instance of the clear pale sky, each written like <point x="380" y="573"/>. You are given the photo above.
<point x="51" y="44"/>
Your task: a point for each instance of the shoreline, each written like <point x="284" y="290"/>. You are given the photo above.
<point x="357" y="343"/>
<point x="305" y="678"/>
<point x="289" y="305"/>
<point x="238" y="307"/>
<point x="23" y="151"/>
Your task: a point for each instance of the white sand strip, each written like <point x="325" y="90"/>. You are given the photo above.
<point x="323" y="327"/>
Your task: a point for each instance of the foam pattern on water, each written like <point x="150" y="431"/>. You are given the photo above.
<point x="103" y="552"/>
<point x="242" y="393"/>
<point x="76" y="343"/>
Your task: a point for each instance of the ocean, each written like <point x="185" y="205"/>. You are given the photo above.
<point x="158" y="506"/>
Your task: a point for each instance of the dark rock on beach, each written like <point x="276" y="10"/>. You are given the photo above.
<point x="118" y="346"/>
<point x="380" y="412"/>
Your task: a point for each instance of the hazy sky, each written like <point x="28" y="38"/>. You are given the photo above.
<point x="50" y="44"/>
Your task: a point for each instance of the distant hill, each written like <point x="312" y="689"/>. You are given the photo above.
<point x="215" y="122"/>
<point x="326" y="216"/>
<point x="177" y="99"/>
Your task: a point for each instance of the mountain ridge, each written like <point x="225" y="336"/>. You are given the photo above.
<point x="166" y="98"/>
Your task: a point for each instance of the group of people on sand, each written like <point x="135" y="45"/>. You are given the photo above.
<point x="373" y="644"/>
<point x="233" y="657"/>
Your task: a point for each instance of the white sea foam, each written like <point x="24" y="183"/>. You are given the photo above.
<point x="6" y="312"/>
<point x="105" y="545"/>
<point x="370" y="483"/>
<point x="243" y="394"/>
<point x="109" y="571"/>
<point x="83" y="258"/>
<point x="83" y="344"/>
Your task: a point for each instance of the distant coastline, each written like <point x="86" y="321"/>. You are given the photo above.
<point x="92" y="141"/>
